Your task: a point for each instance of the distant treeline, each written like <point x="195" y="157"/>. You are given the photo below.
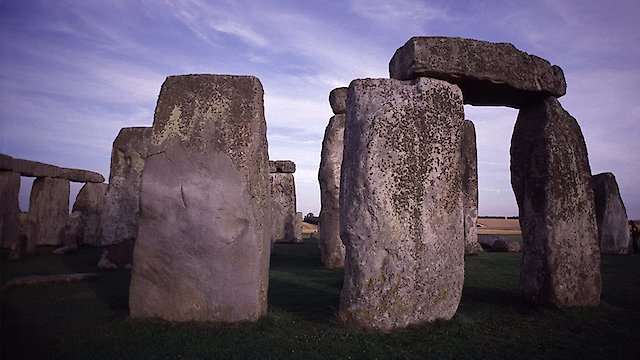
<point x="498" y="217"/>
<point x="310" y="219"/>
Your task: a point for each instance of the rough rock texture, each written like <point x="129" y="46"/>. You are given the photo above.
<point x="49" y="209"/>
<point x="119" y="219"/>
<point x="202" y="251"/>
<point x="611" y="215"/>
<point x="331" y="246"/>
<point x="72" y="231"/>
<point x="551" y="179"/>
<point x="401" y="203"/>
<point x="488" y="73"/>
<point x="297" y="227"/>
<point x="487" y="240"/>
<point x="26" y="244"/>
<point x="90" y="202"/>
<point x="38" y="169"/>
<point x="505" y="245"/>
<point x="338" y="100"/>
<point x="9" y="208"/>
<point x="283" y="207"/>
<point x="118" y="256"/>
<point x="282" y="166"/>
<point x="469" y="178"/>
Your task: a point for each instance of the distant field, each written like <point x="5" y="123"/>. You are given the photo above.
<point x="498" y="226"/>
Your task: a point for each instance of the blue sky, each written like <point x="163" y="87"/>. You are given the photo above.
<point x="74" y="72"/>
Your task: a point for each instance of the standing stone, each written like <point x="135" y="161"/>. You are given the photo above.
<point x="297" y="227"/>
<point x="9" y="208"/>
<point x="331" y="247"/>
<point x="119" y="218"/>
<point x="202" y="251"/>
<point x="551" y="179"/>
<point x="90" y="202"/>
<point x="283" y="201"/>
<point x="26" y="244"/>
<point x="487" y="73"/>
<point x="71" y="234"/>
<point x="338" y="100"/>
<point x="469" y="177"/>
<point x="49" y="209"/>
<point x="611" y="215"/>
<point x="401" y="203"/>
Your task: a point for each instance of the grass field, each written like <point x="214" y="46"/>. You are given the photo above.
<point x="89" y="320"/>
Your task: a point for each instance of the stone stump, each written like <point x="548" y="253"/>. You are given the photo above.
<point x="202" y="250"/>
<point x="469" y="177"/>
<point x="283" y="201"/>
<point x="49" y="209"/>
<point x="551" y="179"/>
<point x="611" y="216"/>
<point x="119" y="218"/>
<point x="401" y="203"/>
<point x="90" y="202"/>
<point x="9" y="208"/>
<point x="331" y="247"/>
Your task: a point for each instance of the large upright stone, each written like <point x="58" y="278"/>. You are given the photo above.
<point x="488" y="73"/>
<point x="469" y="177"/>
<point x="119" y="219"/>
<point x="49" y="209"/>
<point x="90" y="202"/>
<point x="611" y="215"/>
<point x="401" y="203"/>
<point x="9" y="208"/>
<point x="338" y="100"/>
<point x="551" y="179"/>
<point x="329" y="241"/>
<point x="202" y="251"/>
<point x="283" y="201"/>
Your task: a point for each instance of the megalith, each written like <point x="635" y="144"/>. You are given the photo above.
<point x="283" y="201"/>
<point x="551" y="179"/>
<point x="611" y="215"/>
<point x="469" y="181"/>
<point x="119" y="217"/>
<point x="401" y="203"/>
<point x="90" y="202"/>
<point x="49" y="209"/>
<point x="331" y="247"/>
<point x="202" y="248"/>
<point x="9" y="208"/>
<point x="487" y="73"/>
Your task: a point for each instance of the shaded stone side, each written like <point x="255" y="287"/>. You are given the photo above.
<point x="338" y="100"/>
<point x="119" y="219"/>
<point x="488" y="73"/>
<point x="49" y="209"/>
<point x="469" y="178"/>
<point x="117" y="256"/>
<point x="297" y="227"/>
<point x="283" y="207"/>
<point x="203" y="244"/>
<point x="401" y="203"/>
<point x="551" y="179"/>
<point x="90" y="202"/>
<point x="611" y="216"/>
<point x="331" y="246"/>
<point x="9" y="208"/>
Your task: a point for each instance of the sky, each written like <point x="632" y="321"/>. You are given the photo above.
<point x="74" y="72"/>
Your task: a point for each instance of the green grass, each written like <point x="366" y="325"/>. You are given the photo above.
<point x="89" y="320"/>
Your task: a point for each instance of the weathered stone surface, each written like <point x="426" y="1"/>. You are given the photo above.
<point x="119" y="218"/>
<point x="401" y="203"/>
<point x="611" y="215"/>
<point x="283" y="207"/>
<point x="26" y="244"/>
<point x="331" y="247"/>
<point x="297" y="228"/>
<point x="72" y="231"/>
<point x="488" y="73"/>
<point x="203" y="245"/>
<point x="505" y="245"/>
<point x="38" y="169"/>
<point x="118" y="256"/>
<point x="338" y="100"/>
<point x="9" y="208"/>
<point x="49" y="209"/>
<point x="469" y="177"/>
<point x="551" y="179"/>
<point x="282" y="166"/>
<point x="90" y="202"/>
<point x="487" y="240"/>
